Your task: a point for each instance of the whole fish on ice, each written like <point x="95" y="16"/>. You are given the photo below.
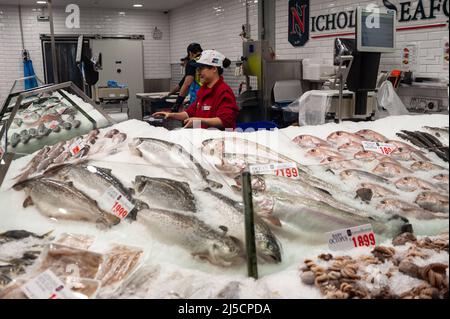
<point x="157" y="151"/>
<point x="434" y="202"/>
<point x="309" y="141"/>
<point x="165" y="193"/>
<point x="61" y="200"/>
<point x="363" y="175"/>
<point x="396" y="206"/>
<point x="370" y="135"/>
<point x="411" y="184"/>
<point x="390" y="170"/>
<point x="192" y="233"/>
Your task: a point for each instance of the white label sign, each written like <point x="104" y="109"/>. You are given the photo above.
<point x="76" y="147"/>
<point x="409" y="57"/>
<point x="47" y="286"/>
<point x="380" y="148"/>
<point x="289" y="170"/>
<point x="356" y="237"/>
<point x="120" y="205"/>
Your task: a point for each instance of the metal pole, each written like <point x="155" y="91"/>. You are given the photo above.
<point x="21" y="27"/>
<point x="341" y="87"/>
<point x="250" y="244"/>
<point x="53" y="45"/>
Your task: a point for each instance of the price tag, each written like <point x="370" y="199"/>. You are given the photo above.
<point x="120" y="205"/>
<point x="76" y="147"/>
<point x="380" y="148"/>
<point x="289" y="170"/>
<point x="47" y="286"/>
<point x="356" y="237"/>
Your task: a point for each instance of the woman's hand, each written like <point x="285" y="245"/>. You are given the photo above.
<point x="189" y="123"/>
<point x="165" y="115"/>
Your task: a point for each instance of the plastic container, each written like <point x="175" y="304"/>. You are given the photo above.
<point x="264" y="125"/>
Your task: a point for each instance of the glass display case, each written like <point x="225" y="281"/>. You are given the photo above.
<point x="46" y="115"/>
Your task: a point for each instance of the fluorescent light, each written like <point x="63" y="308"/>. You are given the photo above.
<point x="41" y="2"/>
<point x="138" y="5"/>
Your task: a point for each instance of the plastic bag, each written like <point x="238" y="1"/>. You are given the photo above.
<point x="311" y="107"/>
<point x="389" y="100"/>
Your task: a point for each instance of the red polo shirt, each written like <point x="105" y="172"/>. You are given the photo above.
<point x="218" y="101"/>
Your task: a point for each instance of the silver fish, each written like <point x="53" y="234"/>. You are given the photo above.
<point x="316" y="217"/>
<point x="94" y="181"/>
<point x="156" y="151"/>
<point x="362" y="175"/>
<point x="426" y="166"/>
<point x="165" y="193"/>
<point x="392" y="205"/>
<point x="199" y="238"/>
<point x="234" y="164"/>
<point x="411" y="184"/>
<point x="434" y="202"/>
<point x="61" y="200"/>
<point x="286" y="187"/>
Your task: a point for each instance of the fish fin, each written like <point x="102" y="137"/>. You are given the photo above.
<point x="28" y="202"/>
<point x="236" y="188"/>
<point x="132" y="191"/>
<point x="134" y="150"/>
<point x="224" y="229"/>
<point x="273" y="220"/>
<point x="330" y="170"/>
<point x="47" y="234"/>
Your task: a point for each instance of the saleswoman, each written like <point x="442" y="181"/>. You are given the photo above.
<point x="215" y="105"/>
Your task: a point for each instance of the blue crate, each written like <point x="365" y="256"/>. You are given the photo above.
<point x="265" y="125"/>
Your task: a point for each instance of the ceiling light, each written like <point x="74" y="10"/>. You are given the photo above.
<point x="41" y="2"/>
<point x="138" y="5"/>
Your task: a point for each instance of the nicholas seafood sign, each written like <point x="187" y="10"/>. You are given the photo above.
<point x="300" y="23"/>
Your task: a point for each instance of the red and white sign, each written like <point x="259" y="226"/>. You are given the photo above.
<point x="76" y="147"/>
<point x="356" y="237"/>
<point x="120" y="205"/>
<point x="380" y="148"/>
<point x="289" y="170"/>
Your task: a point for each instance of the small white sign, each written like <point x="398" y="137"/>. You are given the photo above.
<point x="409" y="57"/>
<point x="380" y="148"/>
<point x="47" y="286"/>
<point x="289" y="170"/>
<point x="356" y="237"/>
<point x="76" y="147"/>
<point x="120" y="205"/>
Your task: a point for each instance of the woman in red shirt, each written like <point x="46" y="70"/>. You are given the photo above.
<point x="215" y="105"/>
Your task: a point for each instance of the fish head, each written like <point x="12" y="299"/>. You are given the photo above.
<point x="213" y="147"/>
<point x="269" y="250"/>
<point x="226" y="252"/>
<point x="258" y="183"/>
<point x="139" y="184"/>
<point x="441" y="177"/>
<point x="315" y="152"/>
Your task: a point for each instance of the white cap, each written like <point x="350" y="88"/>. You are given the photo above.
<point x="211" y="58"/>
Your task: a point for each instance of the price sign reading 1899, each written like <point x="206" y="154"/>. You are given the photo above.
<point x="356" y="237"/>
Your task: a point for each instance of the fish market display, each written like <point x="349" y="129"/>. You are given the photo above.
<point x="182" y="191"/>
<point x="165" y="193"/>
<point x="200" y="239"/>
<point x="61" y="200"/>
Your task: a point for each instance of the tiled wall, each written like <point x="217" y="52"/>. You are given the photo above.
<point x="93" y="21"/>
<point x="215" y="24"/>
<point x="429" y="40"/>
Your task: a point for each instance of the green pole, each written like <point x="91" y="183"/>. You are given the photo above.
<point x="250" y="244"/>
